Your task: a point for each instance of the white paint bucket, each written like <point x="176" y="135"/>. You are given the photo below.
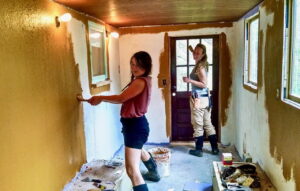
<point x="162" y="157"/>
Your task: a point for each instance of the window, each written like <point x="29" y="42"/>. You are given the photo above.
<point x="251" y="51"/>
<point x="185" y="61"/>
<point x="97" y="48"/>
<point x="291" y="53"/>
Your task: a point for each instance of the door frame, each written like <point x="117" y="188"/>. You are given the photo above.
<point x="217" y="83"/>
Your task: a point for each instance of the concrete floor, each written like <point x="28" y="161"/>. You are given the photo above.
<point x="185" y="168"/>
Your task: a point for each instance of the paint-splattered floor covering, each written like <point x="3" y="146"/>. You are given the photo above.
<point x="183" y="168"/>
<point x="100" y="175"/>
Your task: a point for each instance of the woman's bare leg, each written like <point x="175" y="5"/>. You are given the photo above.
<point x="132" y="162"/>
<point x="145" y="155"/>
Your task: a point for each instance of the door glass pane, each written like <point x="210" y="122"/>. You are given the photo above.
<point x="193" y="43"/>
<point x="253" y="50"/>
<point x="180" y="73"/>
<point x="181" y="48"/>
<point x="209" y="49"/>
<point x="295" y="68"/>
<point x="190" y="70"/>
<point x="210" y="78"/>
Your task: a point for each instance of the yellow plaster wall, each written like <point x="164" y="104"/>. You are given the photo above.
<point x="41" y="132"/>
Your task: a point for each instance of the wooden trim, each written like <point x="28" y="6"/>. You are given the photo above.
<point x="102" y="85"/>
<point x="172" y="63"/>
<point x="250" y="20"/>
<point x="250" y="85"/>
<point x="97" y="90"/>
<point x="294" y="98"/>
<point x="289" y="56"/>
<point x="171" y="28"/>
<point x="249" y="88"/>
<point x="193" y="37"/>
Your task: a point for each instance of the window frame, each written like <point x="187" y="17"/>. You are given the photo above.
<point x="287" y="62"/>
<point x="247" y="64"/>
<point x="98" y="80"/>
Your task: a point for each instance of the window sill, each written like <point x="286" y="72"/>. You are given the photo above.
<point x="100" y="87"/>
<point x="250" y="87"/>
<point x="101" y="83"/>
<point x="291" y="103"/>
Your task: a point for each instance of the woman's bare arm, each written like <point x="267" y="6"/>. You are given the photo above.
<point x="135" y="88"/>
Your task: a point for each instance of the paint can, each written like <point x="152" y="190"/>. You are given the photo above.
<point x="162" y="157"/>
<point x="227" y="159"/>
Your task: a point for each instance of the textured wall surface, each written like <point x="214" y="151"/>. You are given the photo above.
<point x="102" y="126"/>
<point x="266" y="127"/>
<point x="42" y="140"/>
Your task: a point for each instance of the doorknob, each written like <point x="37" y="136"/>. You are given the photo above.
<point x="173" y="94"/>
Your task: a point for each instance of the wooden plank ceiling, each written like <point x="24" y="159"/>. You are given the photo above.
<point x="125" y="13"/>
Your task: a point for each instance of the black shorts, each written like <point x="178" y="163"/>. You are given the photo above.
<point x="135" y="131"/>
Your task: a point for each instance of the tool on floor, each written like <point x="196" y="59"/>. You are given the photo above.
<point x="87" y="179"/>
<point x="98" y="185"/>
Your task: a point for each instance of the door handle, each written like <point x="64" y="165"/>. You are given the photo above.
<point x="173" y="94"/>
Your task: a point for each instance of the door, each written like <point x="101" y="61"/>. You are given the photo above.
<point x="182" y="63"/>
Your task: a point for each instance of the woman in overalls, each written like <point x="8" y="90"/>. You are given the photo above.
<point x="200" y="103"/>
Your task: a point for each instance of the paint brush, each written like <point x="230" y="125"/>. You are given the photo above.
<point x="80" y="98"/>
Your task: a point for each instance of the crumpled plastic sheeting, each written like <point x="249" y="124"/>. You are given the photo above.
<point x="98" y="169"/>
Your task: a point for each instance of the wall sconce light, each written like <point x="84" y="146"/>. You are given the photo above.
<point x="63" y="18"/>
<point x="114" y="34"/>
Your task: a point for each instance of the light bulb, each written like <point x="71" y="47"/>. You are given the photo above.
<point x="65" y="17"/>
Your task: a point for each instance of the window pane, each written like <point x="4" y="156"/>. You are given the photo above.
<point x="253" y="42"/>
<point x="193" y="43"/>
<point x="181" y="48"/>
<point x="209" y="47"/>
<point x="180" y="73"/>
<point x="97" y="52"/>
<point x="295" y="67"/>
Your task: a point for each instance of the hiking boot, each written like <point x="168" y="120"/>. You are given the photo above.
<point x="197" y="153"/>
<point x="215" y="151"/>
<point x="214" y="144"/>
<point x="152" y="174"/>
